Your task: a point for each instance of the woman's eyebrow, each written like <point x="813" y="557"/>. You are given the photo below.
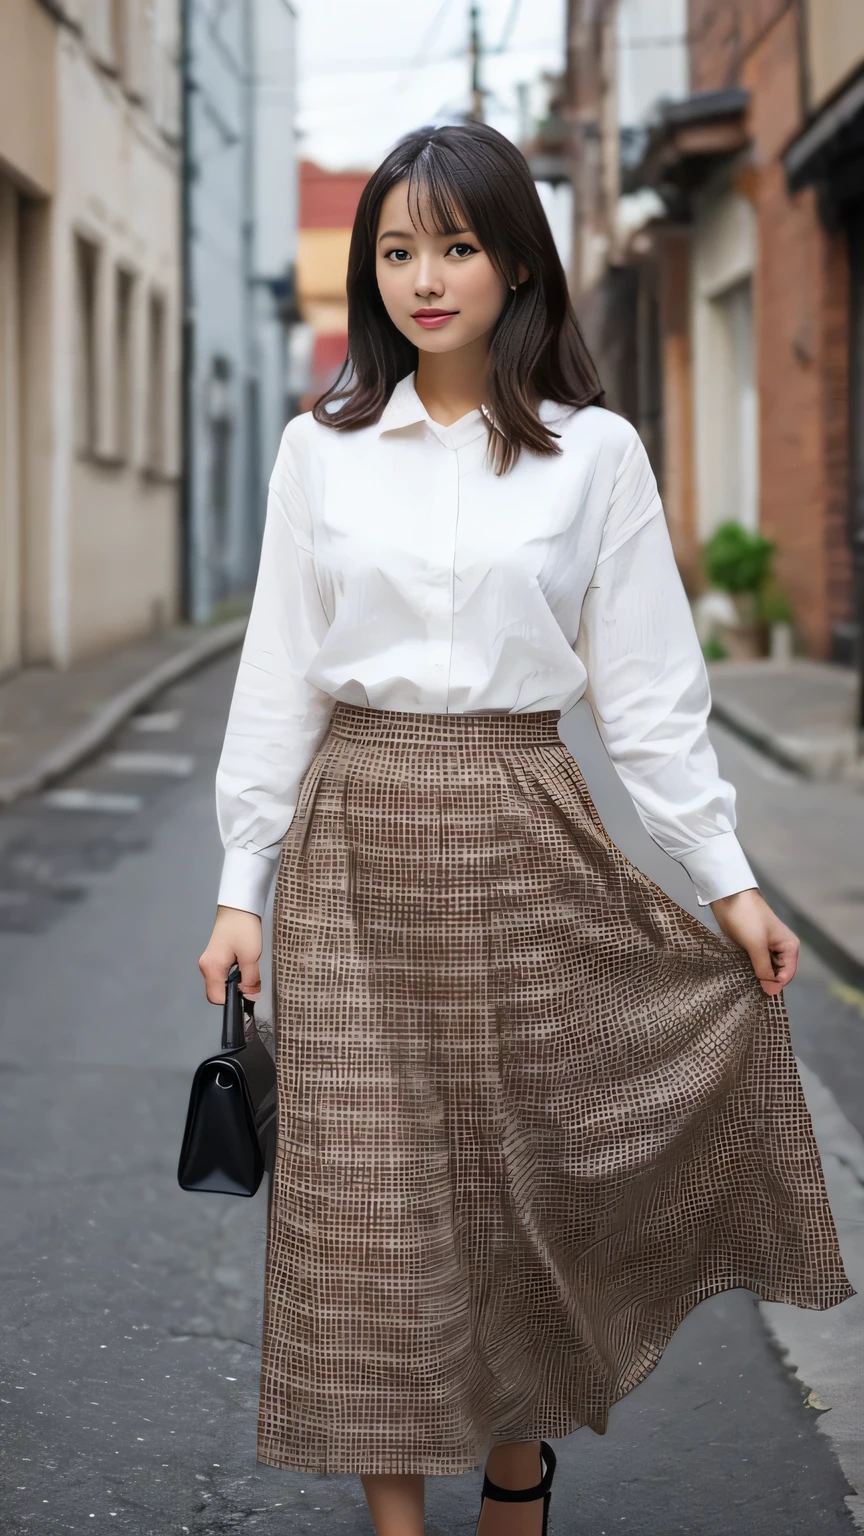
<point x="399" y="234"/>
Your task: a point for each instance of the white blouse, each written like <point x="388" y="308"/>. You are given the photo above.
<point x="398" y="571"/>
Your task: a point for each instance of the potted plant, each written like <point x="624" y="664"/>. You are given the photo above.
<point x="738" y="561"/>
<point x="776" y="609"/>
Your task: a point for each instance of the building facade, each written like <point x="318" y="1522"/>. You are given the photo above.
<point x="241" y="217"/>
<point x="826" y="160"/>
<point x="733" y="287"/>
<point x="779" y="317"/>
<point x="28" y="180"/>
<point x="624" y="59"/>
<point x="89" y="308"/>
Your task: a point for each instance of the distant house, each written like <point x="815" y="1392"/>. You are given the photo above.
<point x="240" y="228"/>
<point x="719" y="272"/>
<point x="328" y="203"/>
<point x="89" y="326"/>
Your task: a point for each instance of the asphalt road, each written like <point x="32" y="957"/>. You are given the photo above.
<point x="130" y="1315"/>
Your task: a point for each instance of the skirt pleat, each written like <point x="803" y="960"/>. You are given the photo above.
<point x="531" y="1110"/>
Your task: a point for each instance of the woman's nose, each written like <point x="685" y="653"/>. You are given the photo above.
<point x="428" y="282"/>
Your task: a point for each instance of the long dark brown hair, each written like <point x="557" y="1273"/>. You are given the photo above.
<point x="474" y="178"/>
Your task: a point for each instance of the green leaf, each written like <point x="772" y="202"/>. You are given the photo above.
<point x="736" y="559"/>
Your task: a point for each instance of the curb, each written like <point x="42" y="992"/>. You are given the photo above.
<point x="82" y="743"/>
<point x="840" y="960"/>
<point x="749" y="729"/>
<point x="833" y="760"/>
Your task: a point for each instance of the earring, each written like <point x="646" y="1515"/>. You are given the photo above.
<point x="513" y="286"/>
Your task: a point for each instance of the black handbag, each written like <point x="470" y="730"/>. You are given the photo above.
<point x="230" y="1134"/>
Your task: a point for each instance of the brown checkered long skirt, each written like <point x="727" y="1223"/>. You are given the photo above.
<point x="531" y="1110"/>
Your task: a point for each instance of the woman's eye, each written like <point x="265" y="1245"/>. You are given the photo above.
<point x="399" y="251"/>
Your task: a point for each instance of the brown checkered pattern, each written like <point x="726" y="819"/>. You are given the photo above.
<point x="531" y="1110"/>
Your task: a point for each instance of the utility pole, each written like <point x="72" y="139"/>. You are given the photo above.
<point x="475" y="49"/>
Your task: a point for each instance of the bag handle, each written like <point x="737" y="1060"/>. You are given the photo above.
<point x="233" y="1032"/>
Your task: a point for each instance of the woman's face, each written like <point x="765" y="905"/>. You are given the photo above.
<point x="418" y="272"/>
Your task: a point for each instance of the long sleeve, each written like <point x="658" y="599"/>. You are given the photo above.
<point x="276" y="720"/>
<point x="649" y="691"/>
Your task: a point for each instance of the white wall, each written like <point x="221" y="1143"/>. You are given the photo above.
<point x="114" y="516"/>
<point x="723" y="257"/>
<point x="558" y="205"/>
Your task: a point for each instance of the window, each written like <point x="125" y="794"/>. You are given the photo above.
<point x="86" y="381"/>
<point x="123" y="298"/>
<point x="156" y="382"/>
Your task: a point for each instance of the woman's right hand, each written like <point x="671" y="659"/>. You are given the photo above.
<point x="236" y="936"/>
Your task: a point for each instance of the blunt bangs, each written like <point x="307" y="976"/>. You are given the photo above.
<point x="468" y="176"/>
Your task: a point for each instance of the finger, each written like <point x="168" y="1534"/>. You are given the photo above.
<point x="215" y="973"/>
<point x="785" y="954"/>
<point x="250" y="977"/>
<point x="760" y="959"/>
<point x="772" y="988"/>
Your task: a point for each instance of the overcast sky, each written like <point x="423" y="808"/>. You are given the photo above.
<point x="369" y="70"/>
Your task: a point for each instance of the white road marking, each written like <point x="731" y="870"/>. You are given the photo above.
<point x="826" y="1349"/>
<point x="91" y="800"/>
<point x="157" y="720"/>
<point x="176" y="765"/>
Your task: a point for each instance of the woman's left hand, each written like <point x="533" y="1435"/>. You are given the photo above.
<point x="773" y="948"/>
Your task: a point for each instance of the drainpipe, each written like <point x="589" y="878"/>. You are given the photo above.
<point x="187" y="342"/>
<point x="245" y="544"/>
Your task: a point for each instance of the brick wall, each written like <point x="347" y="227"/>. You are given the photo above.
<point x="673" y="292"/>
<point x="835" y="415"/>
<point x="801" y="314"/>
<point x="725" y="33"/>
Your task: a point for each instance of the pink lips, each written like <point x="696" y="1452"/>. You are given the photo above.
<point x="432" y="319"/>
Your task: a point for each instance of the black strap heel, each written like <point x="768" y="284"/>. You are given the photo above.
<point x="541" y="1490"/>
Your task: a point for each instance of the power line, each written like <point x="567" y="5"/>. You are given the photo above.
<point x="362" y="66"/>
<point x="508" y="28"/>
<point x="419" y="60"/>
<point x="365" y="66"/>
<point x="621" y="45"/>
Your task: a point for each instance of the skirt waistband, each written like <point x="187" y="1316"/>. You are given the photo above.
<point x="355" y="722"/>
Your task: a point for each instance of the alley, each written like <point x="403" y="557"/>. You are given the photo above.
<point x="132" y="1309"/>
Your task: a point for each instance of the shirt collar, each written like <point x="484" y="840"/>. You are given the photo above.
<point x="406" y="409"/>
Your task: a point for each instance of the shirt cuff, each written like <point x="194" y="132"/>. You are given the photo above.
<point x="246" y="878"/>
<point x="718" y="868"/>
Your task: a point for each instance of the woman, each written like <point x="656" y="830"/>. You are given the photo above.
<point x="531" y="1110"/>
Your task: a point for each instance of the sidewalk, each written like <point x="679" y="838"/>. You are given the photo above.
<point x="50" y="720"/>
<point x="784" y="737"/>
<point x="801" y="712"/>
